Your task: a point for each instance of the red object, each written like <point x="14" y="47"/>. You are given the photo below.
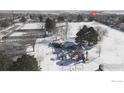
<point x="94" y="13"/>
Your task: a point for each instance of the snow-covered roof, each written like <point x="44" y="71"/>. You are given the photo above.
<point x="58" y="41"/>
<point x="67" y="44"/>
<point x="17" y="34"/>
<point x="32" y="26"/>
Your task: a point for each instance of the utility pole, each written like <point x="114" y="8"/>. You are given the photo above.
<point x="99" y="51"/>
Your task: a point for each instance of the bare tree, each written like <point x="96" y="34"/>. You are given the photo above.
<point x="66" y="28"/>
<point x="101" y="31"/>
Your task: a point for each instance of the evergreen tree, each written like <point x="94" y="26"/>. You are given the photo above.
<point x="87" y="36"/>
<point x="92" y="37"/>
<point x="26" y="63"/>
<point x="5" y="62"/>
<point x="79" y="18"/>
<point x="61" y="19"/>
<point x="81" y="36"/>
<point x="5" y="23"/>
<point x="40" y="18"/>
<point x="50" y="24"/>
<point x="23" y="19"/>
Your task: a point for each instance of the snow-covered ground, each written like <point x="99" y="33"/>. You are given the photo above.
<point x="112" y="54"/>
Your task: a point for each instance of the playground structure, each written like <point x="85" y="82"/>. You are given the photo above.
<point x="69" y="50"/>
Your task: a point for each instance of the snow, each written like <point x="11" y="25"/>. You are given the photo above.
<point x="41" y="52"/>
<point x="26" y="26"/>
<point x="112" y="55"/>
<point x="112" y="47"/>
<point x="31" y="26"/>
<point x="10" y="29"/>
<point x="17" y="34"/>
